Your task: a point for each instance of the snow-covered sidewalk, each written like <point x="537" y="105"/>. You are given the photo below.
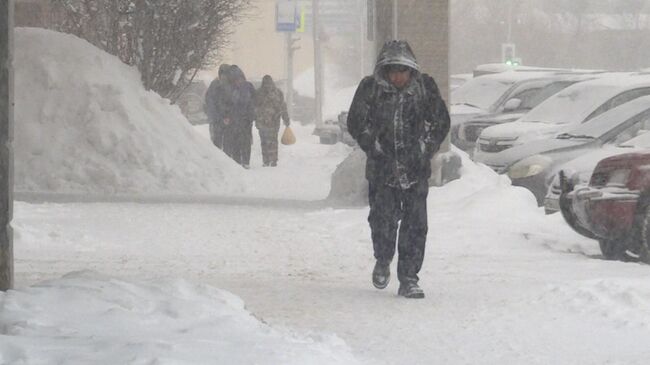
<point x="505" y="284"/>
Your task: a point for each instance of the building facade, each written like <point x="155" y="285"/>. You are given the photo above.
<point x="425" y="25"/>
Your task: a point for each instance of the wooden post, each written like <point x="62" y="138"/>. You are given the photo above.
<point x="6" y="150"/>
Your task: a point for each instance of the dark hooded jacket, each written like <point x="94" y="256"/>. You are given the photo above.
<point x="400" y="130"/>
<point x="218" y="95"/>
<point x="270" y="105"/>
<point x="243" y="94"/>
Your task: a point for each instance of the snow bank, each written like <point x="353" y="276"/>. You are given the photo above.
<point x="86" y="318"/>
<point x="84" y="123"/>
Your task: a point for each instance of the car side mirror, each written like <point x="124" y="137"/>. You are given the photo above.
<point x="512" y="104"/>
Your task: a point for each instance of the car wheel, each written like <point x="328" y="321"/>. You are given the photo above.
<point x="644" y="242"/>
<point x="612" y="249"/>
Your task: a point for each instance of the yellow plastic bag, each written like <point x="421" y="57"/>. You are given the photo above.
<point x="288" y="138"/>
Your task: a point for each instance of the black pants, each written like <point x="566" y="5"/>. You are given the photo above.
<point x="389" y="206"/>
<point x="269" y="141"/>
<point x="216" y="134"/>
<point x="237" y="139"/>
<point x="246" y="140"/>
<point x="231" y="142"/>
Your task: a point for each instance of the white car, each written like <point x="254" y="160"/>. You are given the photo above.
<point x="479" y="95"/>
<point x="563" y="111"/>
<point x="457" y="80"/>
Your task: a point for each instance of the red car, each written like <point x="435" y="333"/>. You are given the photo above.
<point x="614" y="208"/>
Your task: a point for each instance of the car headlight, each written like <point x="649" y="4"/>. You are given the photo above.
<point x="529" y="166"/>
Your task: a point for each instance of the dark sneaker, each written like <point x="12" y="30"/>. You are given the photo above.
<point x="381" y="275"/>
<point x="410" y="290"/>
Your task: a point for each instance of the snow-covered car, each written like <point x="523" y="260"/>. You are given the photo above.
<point x="519" y="100"/>
<point x="333" y="131"/>
<point x="457" y="80"/>
<point x="479" y="95"/>
<point x="192" y="102"/>
<point x="345" y="136"/>
<point x="493" y="68"/>
<point x="328" y="132"/>
<point x="614" y="208"/>
<point x="534" y="164"/>
<point x="563" y="111"/>
<point x="579" y="170"/>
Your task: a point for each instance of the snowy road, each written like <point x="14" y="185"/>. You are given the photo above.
<point x="501" y="288"/>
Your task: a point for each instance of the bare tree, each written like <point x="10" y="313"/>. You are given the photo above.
<point x="168" y="41"/>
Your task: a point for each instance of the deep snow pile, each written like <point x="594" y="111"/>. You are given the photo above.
<point x="84" y="123"/>
<point x="87" y="318"/>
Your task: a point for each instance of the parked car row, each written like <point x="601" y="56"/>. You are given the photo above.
<point x="541" y="122"/>
<point x="580" y="142"/>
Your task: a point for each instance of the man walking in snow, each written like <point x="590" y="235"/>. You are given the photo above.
<point x="399" y="119"/>
<point x="216" y="99"/>
<point x="269" y="108"/>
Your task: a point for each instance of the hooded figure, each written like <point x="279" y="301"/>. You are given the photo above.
<point x="239" y="117"/>
<point x="269" y="108"/>
<point x="399" y="119"/>
<point x="216" y="102"/>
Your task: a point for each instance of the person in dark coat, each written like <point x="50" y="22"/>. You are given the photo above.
<point x="239" y="134"/>
<point x="216" y="99"/>
<point x="399" y="119"/>
<point x="269" y="108"/>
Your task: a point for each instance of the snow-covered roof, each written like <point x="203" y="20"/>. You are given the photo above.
<point x="575" y="103"/>
<point x="483" y="91"/>
<point x="605" y="122"/>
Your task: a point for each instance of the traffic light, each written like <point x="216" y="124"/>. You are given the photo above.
<point x="508" y="55"/>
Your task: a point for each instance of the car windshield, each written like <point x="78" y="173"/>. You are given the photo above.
<point x="609" y="121"/>
<point x="571" y="105"/>
<point x="641" y="141"/>
<point x="480" y="92"/>
<point x="543" y="94"/>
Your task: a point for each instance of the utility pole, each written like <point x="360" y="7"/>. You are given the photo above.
<point x="363" y="27"/>
<point x="395" y="18"/>
<point x="509" y="36"/>
<point x="318" y="67"/>
<point x="290" y="40"/>
<point x="288" y="20"/>
<point x="6" y="137"/>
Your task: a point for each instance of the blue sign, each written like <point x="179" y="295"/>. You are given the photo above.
<point x="287" y="18"/>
